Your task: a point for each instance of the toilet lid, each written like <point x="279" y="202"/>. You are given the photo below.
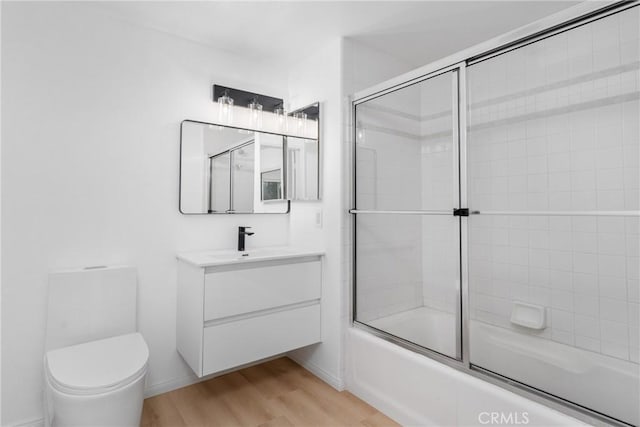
<point x="101" y="364"/>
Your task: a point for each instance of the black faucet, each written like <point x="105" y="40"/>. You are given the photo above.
<point x="242" y="231"/>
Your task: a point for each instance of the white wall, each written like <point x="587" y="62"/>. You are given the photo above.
<point x="92" y="108"/>
<point x="318" y="79"/>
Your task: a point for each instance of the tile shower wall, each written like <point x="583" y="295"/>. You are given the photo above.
<point x="553" y="126"/>
<point x="440" y="234"/>
<point x="388" y="175"/>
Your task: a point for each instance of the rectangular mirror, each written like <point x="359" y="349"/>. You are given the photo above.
<point x="303" y="156"/>
<point x="230" y="170"/>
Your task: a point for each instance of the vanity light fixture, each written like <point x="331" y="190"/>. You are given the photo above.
<point x="255" y="113"/>
<point x="225" y="108"/>
<point x="281" y="117"/>
<point x="301" y="122"/>
<point x="248" y="110"/>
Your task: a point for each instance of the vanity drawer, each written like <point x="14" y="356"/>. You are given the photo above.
<point x="263" y="286"/>
<point x="232" y="344"/>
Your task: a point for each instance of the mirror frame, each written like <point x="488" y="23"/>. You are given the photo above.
<point x="284" y="149"/>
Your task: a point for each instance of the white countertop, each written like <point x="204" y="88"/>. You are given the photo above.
<point x="228" y="256"/>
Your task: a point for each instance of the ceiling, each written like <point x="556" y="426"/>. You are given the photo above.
<point x="416" y="32"/>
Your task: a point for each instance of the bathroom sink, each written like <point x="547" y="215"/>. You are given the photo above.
<point x="228" y="256"/>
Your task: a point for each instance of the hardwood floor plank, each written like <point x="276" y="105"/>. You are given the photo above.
<point x="277" y="393"/>
<point x="244" y="400"/>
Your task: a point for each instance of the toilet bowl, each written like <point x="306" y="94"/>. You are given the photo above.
<point x="100" y="383"/>
<point x="95" y="363"/>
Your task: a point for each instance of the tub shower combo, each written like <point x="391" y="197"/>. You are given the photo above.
<point x="496" y="213"/>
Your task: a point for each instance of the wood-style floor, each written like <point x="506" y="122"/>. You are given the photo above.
<point x="275" y="393"/>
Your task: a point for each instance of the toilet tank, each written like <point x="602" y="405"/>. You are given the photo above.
<point x="90" y="304"/>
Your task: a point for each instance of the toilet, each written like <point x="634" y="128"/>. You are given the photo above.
<point x="95" y="363"/>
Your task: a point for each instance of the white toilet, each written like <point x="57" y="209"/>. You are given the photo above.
<point x="95" y="363"/>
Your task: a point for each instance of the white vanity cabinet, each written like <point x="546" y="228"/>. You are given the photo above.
<point x="234" y="310"/>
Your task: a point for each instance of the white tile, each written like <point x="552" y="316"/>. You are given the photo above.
<point x="559" y="260"/>
<point x="559" y="162"/>
<point x="610" y="179"/>
<point x="517" y="184"/>
<point x="633" y="310"/>
<point x="611" y="244"/>
<point x="562" y="300"/>
<point x="633" y="289"/>
<point x="585" y="263"/>
<point x="615" y="350"/>
<point x="611" y="265"/>
<point x="518" y="238"/>
<point x="585" y="224"/>
<point x="614" y="310"/>
<point x="559" y="181"/>
<point x="560" y="241"/>
<point x="587" y="343"/>
<point x="560" y="223"/>
<point x="563" y="337"/>
<point x="633" y="268"/>
<point x="539" y="239"/>
<point x="585" y="200"/>
<point x="562" y="320"/>
<point x="583" y="160"/>
<point x="519" y="274"/>
<point x="539" y="258"/>
<point x="614" y="332"/>
<point x="611" y="200"/>
<point x="611" y="225"/>
<point x="540" y="296"/>
<point x="586" y="284"/>
<point x="585" y="242"/>
<point x="586" y="326"/>
<point x="612" y="287"/>
<point x="610" y="158"/>
<point x="560" y="280"/>
<point x="537" y="183"/>
<point x="539" y="276"/>
<point x="583" y="180"/>
<point x="537" y="165"/>
<point x="586" y="305"/>
<point x="519" y="256"/>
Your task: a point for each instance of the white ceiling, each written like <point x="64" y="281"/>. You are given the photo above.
<point x="417" y="32"/>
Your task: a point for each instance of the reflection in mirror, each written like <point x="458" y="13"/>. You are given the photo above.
<point x="221" y="169"/>
<point x="303" y="156"/>
<point x="220" y="183"/>
<point x="242" y="176"/>
<point x="302" y="165"/>
<point x="272" y="185"/>
<point x="271" y="167"/>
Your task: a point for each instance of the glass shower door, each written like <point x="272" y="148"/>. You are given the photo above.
<point x="407" y="240"/>
<point x="553" y="162"/>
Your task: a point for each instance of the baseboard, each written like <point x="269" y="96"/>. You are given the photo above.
<point x="34" y="422"/>
<point x="170" y="385"/>
<point x="319" y="372"/>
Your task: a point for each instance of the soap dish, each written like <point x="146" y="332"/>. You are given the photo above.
<point x="528" y="315"/>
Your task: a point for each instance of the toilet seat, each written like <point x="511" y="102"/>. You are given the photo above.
<point x="98" y="366"/>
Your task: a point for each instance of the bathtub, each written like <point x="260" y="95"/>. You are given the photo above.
<point x="580" y="376"/>
<point x="416" y="390"/>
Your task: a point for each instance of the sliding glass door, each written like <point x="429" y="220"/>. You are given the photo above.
<point x="553" y="172"/>
<point x="407" y="260"/>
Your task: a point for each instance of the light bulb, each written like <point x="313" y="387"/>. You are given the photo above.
<point x="225" y="108"/>
<point x="281" y="117"/>
<point x="256" y="113"/>
<point x="301" y="121"/>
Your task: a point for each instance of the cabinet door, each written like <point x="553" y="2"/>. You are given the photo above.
<point x="260" y="286"/>
<point x="232" y="344"/>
